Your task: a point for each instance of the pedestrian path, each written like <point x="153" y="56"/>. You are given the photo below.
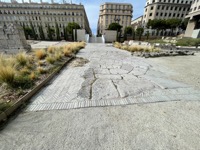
<point x="111" y="77"/>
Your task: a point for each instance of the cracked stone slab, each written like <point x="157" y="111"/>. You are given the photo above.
<point x="132" y="87"/>
<point x="112" y="77"/>
<point x="118" y="71"/>
<point x="127" y="67"/>
<point x="104" y="89"/>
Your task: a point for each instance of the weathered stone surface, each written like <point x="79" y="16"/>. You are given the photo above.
<point x="12" y="39"/>
<point x="104" y="89"/>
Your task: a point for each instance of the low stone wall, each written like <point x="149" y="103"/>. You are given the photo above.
<point x="12" y="39"/>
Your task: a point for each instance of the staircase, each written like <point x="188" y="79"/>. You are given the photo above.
<point x="95" y="39"/>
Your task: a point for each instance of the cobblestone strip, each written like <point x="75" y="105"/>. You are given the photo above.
<point x="113" y="102"/>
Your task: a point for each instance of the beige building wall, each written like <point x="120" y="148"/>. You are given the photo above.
<point x="137" y="22"/>
<point x="44" y="14"/>
<point x="114" y="12"/>
<point x="165" y="9"/>
<point x="193" y="27"/>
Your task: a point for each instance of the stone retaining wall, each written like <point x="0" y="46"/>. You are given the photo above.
<point x="12" y="39"/>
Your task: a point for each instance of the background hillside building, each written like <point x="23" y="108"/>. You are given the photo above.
<point x="114" y="13"/>
<point x="43" y="15"/>
<point x="193" y="27"/>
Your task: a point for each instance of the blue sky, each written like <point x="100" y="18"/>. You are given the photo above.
<point x="92" y="9"/>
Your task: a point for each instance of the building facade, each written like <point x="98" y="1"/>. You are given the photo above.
<point x="114" y="13"/>
<point x="137" y="22"/>
<point x="44" y="15"/>
<point x="193" y="27"/>
<point x="166" y="9"/>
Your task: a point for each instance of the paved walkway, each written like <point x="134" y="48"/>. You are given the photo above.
<point x="111" y="78"/>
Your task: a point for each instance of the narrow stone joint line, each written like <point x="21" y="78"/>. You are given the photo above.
<point x="91" y="85"/>
<point x="116" y="88"/>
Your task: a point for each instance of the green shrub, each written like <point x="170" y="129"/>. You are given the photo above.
<point x="23" y="82"/>
<point x="188" y="42"/>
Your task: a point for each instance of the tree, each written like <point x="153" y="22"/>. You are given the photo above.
<point x="157" y="24"/>
<point x="33" y="31"/>
<point x="147" y="35"/>
<point x="173" y="23"/>
<point x="139" y="32"/>
<point x="127" y="31"/>
<point x="117" y="27"/>
<point x="57" y="32"/>
<point x="184" y="24"/>
<point x="65" y="33"/>
<point x="50" y="32"/>
<point x="114" y="26"/>
<point x="70" y="27"/>
<point x="42" y="36"/>
<point x="133" y="34"/>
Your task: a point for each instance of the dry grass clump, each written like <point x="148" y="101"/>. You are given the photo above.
<point x="40" y="54"/>
<point x="50" y="59"/>
<point x="117" y="45"/>
<point x="7" y="69"/>
<point x="41" y="70"/>
<point x="7" y="74"/>
<point x="22" y="58"/>
<point x="136" y="48"/>
<point x="73" y="48"/>
<point x="51" y="49"/>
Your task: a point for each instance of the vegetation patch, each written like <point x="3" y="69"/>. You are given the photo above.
<point x="136" y="48"/>
<point x="188" y="42"/>
<point x="20" y="73"/>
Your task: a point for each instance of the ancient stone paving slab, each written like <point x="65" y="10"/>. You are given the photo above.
<point x="111" y="77"/>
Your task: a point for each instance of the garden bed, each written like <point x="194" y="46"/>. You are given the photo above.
<point x="148" y="51"/>
<point x="21" y="76"/>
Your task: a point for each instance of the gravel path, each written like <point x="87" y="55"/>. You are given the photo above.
<point x="165" y="114"/>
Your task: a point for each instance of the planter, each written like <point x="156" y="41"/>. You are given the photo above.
<point x="4" y="115"/>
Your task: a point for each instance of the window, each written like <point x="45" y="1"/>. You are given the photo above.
<point x="161" y="14"/>
<point x="157" y="14"/>
<point x="150" y="14"/>
<point x="151" y="7"/>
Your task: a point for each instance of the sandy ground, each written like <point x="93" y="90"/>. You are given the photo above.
<point x="187" y="68"/>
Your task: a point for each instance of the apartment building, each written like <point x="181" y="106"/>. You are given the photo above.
<point x="114" y="12"/>
<point x="165" y="9"/>
<point x="44" y="15"/>
<point x="193" y="27"/>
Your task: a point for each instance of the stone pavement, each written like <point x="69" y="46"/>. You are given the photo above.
<point x="111" y="77"/>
